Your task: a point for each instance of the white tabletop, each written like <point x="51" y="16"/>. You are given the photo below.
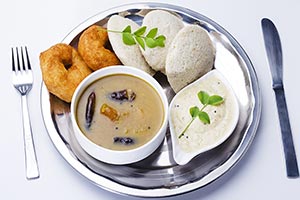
<point x="260" y="174"/>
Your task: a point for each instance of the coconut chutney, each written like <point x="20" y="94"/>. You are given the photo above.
<point x="200" y="137"/>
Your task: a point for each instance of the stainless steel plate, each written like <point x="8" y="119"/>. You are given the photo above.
<point x="158" y="175"/>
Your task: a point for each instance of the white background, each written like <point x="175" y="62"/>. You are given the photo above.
<point x="39" y="24"/>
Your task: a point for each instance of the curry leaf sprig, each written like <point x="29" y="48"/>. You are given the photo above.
<point x="151" y="40"/>
<point x="206" y="100"/>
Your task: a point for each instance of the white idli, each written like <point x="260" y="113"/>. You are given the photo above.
<point x="167" y="25"/>
<point x="190" y="56"/>
<point x="129" y="55"/>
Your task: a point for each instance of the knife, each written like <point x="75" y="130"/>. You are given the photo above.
<point x="274" y="54"/>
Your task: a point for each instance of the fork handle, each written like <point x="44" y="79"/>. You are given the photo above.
<point x="32" y="170"/>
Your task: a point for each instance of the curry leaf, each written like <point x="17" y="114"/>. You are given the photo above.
<point x="204" y="117"/>
<point x="140" y="42"/>
<point x="160" y="41"/>
<point x="127" y="29"/>
<point x="215" y="100"/>
<point x="150" y="40"/>
<point x="194" y="111"/>
<point x="128" y="38"/>
<point x="203" y="97"/>
<point x="140" y="31"/>
<point x="152" y="33"/>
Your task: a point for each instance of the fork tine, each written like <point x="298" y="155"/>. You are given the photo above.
<point x="28" y="62"/>
<point x="22" y="56"/>
<point x="18" y="60"/>
<point x="13" y="60"/>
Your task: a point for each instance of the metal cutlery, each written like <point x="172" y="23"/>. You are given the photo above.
<point x="22" y="80"/>
<point x="274" y="53"/>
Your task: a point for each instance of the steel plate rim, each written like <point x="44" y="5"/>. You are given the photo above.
<point x="114" y="187"/>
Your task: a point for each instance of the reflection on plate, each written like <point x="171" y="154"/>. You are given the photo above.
<point x="158" y="175"/>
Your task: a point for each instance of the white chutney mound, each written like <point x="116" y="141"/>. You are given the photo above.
<point x="201" y="137"/>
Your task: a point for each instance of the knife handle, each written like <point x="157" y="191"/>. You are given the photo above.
<point x="286" y="133"/>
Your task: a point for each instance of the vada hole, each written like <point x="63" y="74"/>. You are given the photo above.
<point x="68" y="65"/>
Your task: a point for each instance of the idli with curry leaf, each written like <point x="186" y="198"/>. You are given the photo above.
<point x="126" y="50"/>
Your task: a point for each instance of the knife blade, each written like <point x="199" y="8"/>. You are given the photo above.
<point x="274" y="54"/>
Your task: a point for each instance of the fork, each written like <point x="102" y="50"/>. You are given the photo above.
<point x="22" y="79"/>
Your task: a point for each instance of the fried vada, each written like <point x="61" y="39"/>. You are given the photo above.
<point x="62" y="70"/>
<point x="92" y="48"/>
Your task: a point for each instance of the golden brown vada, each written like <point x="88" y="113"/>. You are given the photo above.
<point x="92" y="48"/>
<point x="62" y="70"/>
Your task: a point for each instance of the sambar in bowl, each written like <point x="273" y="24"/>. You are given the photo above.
<point x="119" y="114"/>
